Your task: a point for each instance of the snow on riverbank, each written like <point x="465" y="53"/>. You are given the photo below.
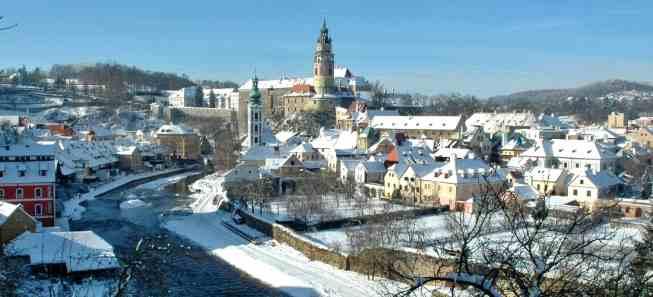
<point x="72" y="208"/>
<point x="278" y="265"/>
<point x="133" y="203"/>
<point x="160" y="183"/>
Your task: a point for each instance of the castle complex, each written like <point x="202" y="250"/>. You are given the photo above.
<point x="330" y="86"/>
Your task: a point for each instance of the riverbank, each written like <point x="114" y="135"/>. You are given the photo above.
<point x="73" y="209"/>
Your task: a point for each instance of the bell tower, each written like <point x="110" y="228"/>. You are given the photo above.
<point x="254" y="116"/>
<point x="323" y="64"/>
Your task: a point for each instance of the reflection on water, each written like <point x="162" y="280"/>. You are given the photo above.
<point x="193" y="273"/>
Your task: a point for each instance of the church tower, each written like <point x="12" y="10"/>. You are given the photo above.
<point x="323" y="64"/>
<point x="254" y="116"/>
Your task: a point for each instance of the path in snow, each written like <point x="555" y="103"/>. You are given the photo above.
<point x="280" y="266"/>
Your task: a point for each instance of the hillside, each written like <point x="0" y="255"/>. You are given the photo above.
<point x="593" y="90"/>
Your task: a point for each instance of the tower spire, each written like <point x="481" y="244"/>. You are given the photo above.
<point x="255" y="94"/>
<point x="324" y="25"/>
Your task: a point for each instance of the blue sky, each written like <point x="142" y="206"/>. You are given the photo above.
<point x="483" y="48"/>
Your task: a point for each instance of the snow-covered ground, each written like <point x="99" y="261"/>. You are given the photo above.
<point x="72" y="208"/>
<point x="335" y="209"/>
<point x="162" y="182"/>
<point x="276" y="264"/>
<point x="433" y="225"/>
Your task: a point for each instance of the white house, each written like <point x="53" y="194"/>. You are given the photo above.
<point x="185" y="97"/>
<point x="573" y="155"/>
<point x="590" y="186"/>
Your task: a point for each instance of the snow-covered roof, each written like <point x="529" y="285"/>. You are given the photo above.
<point x="33" y="164"/>
<point x="125" y="149"/>
<point x="448" y="123"/>
<point x="284" y="136"/>
<point x="544" y="174"/>
<point x="372" y="166"/>
<point x="174" y="129"/>
<point x="260" y="153"/>
<point x="458" y="153"/>
<point x="492" y="122"/>
<point x="335" y="139"/>
<point x="464" y="171"/>
<point x="596" y="132"/>
<point x="525" y="192"/>
<point x="79" y="251"/>
<point x="6" y="210"/>
<point x="74" y="155"/>
<point x="302" y="148"/>
<point x="283" y="83"/>
<point x="565" y="148"/>
<point x="600" y="179"/>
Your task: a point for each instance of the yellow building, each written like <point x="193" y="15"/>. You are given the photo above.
<point x="643" y="136"/>
<point x="180" y="142"/>
<point x="446" y="183"/>
<point x="616" y="120"/>
<point x="547" y="181"/>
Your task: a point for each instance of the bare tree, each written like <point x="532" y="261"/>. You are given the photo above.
<point x="4" y="28"/>
<point x="505" y="248"/>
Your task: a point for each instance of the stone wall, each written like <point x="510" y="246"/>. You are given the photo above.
<point x="285" y="235"/>
<point x="376" y="262"/>
<point x="179" y="114"/>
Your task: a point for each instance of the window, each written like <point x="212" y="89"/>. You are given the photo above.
<point x="575" y="192"/>
<point x="43" y="172"/>
<point x="589" y="193"/>
<point x="538" y="187"/>
<point x="38" y="209"/>
<point x="38" y="193"/>
<point x="577" y="165"/>
<point x="582" y="181"/>
<point x="21" y="173"/>
<point x="2" y="173"/>
<point x="2" y="193"/>
<point x="19" y="193"/>
<point x="564" y="165"/>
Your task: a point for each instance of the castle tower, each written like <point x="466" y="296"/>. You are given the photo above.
<point x="323" y="64"/>
<point x="254" y="116"/>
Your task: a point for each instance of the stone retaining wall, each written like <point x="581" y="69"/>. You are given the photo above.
<point x="376" y="262"/>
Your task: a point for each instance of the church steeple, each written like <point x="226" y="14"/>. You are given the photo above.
<point x="254" y="116"/>
<point x="255" y="94"/>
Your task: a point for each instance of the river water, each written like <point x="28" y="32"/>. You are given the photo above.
<point x="170" y="266"/>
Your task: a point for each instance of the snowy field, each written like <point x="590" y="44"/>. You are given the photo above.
<point x="334" y="209"/>
<point x="433" y="225"/>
